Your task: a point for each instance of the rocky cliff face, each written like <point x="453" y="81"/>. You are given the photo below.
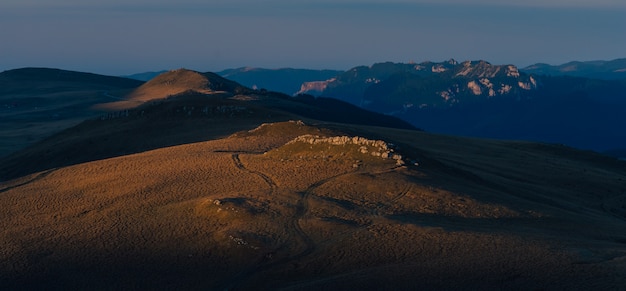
<point x="476" y="98"/>
<point x="393" y="86"/>
<point x="315" y="87"/>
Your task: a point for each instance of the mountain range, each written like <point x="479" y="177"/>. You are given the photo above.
<point x="192" y="181"/>
<point x="290" y="80"/>
<point x="484" y="100"/>
<point x="578" y="103"/>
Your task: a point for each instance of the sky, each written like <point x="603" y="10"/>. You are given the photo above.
<point x="119" y="37"/>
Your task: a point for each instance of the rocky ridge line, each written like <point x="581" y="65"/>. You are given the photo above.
<point x="377" y="148"/>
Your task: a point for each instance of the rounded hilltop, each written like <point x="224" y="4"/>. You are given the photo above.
<point x="181" y="80"/>
<point x="176" y="82"/>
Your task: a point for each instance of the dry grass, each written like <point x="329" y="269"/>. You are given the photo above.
<point x="474" y="214"/>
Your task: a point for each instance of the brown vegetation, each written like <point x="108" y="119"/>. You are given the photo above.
<point x="173" y="83"/>
<point x="254" y="211"/>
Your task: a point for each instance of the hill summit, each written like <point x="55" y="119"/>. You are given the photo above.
<point x="176" y="82"/>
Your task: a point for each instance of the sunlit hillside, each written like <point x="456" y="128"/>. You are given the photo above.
<point x="261" y="209"/>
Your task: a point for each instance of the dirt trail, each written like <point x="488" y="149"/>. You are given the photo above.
<point x="309" y="246"/>
<point x="266" y="178"/>
<point x="373" y="212"/>
<point x="302" y="208"/>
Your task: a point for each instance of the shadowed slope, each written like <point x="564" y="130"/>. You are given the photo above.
<point x="220" y="214"/>
<point x="184" y="118"/>
<point x="37" y="102"/>
<point x="46" y="80"/>
<point x="608" y="70"/>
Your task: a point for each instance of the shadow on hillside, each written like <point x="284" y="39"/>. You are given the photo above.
<point x="180" y="119"/>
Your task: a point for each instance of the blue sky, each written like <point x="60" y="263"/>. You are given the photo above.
<point x="123" y="37"/>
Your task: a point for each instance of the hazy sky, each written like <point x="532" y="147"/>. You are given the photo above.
<point x="130" y="36"/>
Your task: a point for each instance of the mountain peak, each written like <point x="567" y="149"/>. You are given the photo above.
<point x="176" y="82"/>
<point x="185" y="80"/>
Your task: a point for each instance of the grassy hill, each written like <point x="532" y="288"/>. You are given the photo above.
<point x="224" y="187"/>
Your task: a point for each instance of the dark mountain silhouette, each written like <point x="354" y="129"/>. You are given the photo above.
<point x="484" y="100"/>
<point x="36" y="80"/>
<point x="36" y="102"/>
<point x="608" y="70"/>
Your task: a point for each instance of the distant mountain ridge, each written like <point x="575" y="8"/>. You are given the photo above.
<point x="471" y="98"/>
<point x="50" y="79"/>
<point x="476" y="98"/>
<point x="608" y="70"/>
<point x="285" y="80"/>
<point x="384" y="85"/>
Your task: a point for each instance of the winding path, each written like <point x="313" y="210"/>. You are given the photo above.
<point x="302" y="208"/>
<point x="266" y="178"/>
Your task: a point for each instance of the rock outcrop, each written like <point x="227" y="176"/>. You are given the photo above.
<point x="377" y="148"/>
<point x="314" y="87"/>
